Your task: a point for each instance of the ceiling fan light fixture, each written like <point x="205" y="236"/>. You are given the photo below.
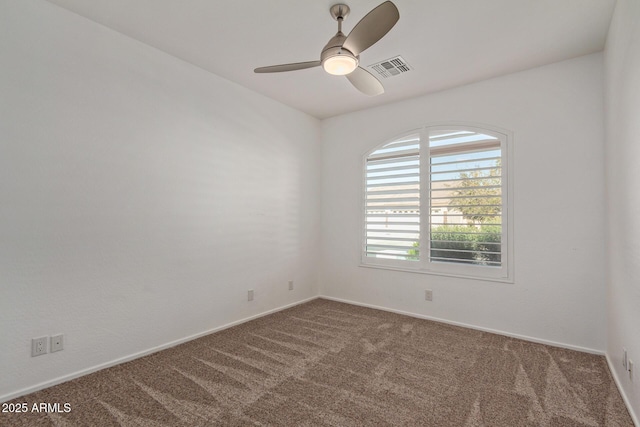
<point x="340" y="64"/>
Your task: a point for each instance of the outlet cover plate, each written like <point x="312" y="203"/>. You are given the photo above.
<point x="39" y="346"/>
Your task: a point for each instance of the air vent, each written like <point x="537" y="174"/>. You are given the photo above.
<point x="390" y="67"/>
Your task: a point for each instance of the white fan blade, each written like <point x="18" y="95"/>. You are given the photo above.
<point x="372" y="28"/>
<point x="287" y="67"/>
<point x="365" y="82"/>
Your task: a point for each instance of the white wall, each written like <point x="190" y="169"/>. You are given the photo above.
<point x="622" y="121"/>
<point x="555" y="114"/>
<point x="140" y="197"/>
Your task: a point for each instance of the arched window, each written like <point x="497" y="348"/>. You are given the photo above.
<point x="437" y="201"/>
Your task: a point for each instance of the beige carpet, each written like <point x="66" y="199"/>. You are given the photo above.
<point x="330" y="364"/>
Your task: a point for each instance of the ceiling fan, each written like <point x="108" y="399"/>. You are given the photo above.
<point x="341" y="55"/>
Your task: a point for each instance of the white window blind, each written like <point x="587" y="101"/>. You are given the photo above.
<point x="436" y="201"/>
<point x="466" y="198"/>
<point x="393" y="200"/>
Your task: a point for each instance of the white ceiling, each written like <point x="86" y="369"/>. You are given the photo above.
<point x="447" y="42"/>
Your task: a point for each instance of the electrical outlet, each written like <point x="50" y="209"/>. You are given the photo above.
<point x="250" y="295"/>
<point x="57" y="343"/>
<point x="624" y="358"/>
<point x="38" y="346"/>
<point x="290" y="285"/>
<point x="428" y="295"/>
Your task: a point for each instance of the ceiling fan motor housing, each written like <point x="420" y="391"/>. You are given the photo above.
<point x="341" y="61"/>
<point x="334" y="49"/>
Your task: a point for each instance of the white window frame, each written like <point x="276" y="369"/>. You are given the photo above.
<point x="505" y="273"/>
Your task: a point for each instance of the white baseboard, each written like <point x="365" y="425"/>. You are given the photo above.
<point x="626" y="399"/>
<point x="143" y="353"/>
<point x="465" y="325"/>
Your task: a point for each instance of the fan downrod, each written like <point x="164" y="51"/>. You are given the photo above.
<point x="339" y="11"/>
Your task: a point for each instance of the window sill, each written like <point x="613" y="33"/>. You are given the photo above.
<point x="438" y="273"/>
